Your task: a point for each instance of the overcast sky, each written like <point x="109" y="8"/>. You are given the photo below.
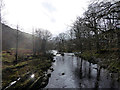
<point x="53" y="15"/>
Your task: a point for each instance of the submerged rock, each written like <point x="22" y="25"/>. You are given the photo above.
<point x="63" y="73"/>
<point x="53" y="60"/>
<point x="52" y="69"/>
<point x="62" y="54"/>
<point x="49" y="75"/>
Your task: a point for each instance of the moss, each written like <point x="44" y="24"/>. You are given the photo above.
<point x="30" y="57"/>
<point x="35" y="65"/>
<point x="88" y="55"/>
<point x="108" y="59"/>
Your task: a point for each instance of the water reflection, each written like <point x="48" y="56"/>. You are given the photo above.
<point x="81" y="69"/>
<point x="33" y="75"/>
<point x="112" y="81"/>
<point x="79" y="74"/>
<point x="85" y="71"/>
<point x="89" y="73"/>
<point x="98" y="77"/>
<point x="63" y="59"/>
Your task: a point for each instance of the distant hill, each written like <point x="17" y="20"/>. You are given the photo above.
<point x="9" y="38"/>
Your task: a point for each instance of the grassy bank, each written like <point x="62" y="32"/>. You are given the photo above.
<point x="106" y="59"/>
<point x="32" y="65"/>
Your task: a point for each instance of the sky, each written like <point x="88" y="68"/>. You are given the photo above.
<point x="53" y="15"/>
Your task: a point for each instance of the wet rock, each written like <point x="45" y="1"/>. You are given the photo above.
<point x="64" y="86"/>
<point x="62" y="54"/>
<point x="45" y="78"/>
<point x="52" y="69"/>
<point x="63" y="73"/>
<point x="44" y="82"/>
<point x="49" y="75"/>
<point x="96" y="69"/>
<point x="53" y="60"/>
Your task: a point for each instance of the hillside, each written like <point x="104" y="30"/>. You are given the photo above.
<point x="9" y="38"/>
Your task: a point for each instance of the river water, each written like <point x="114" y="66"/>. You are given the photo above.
<point x="73" y="72"/>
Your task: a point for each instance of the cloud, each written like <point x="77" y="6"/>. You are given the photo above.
<point x="49" y="7"/>
<point x="53" y="20"/>
<point x="53" y="15"/>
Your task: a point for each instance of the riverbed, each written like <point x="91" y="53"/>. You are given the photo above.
<point x="73" y="72"/>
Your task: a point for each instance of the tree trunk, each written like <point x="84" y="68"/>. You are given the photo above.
<point x="97" y="42"/>
<point x="118" y="43"/>
<point x="16" y="56"/>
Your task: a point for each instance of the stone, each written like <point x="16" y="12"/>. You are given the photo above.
<point x="49" y="75"/>
<point x="63" y="73"/>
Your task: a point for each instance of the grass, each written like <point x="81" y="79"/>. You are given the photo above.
<point x="11" y="71"/>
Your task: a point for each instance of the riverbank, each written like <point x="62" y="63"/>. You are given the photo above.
<point x="26" y="72"/>
<point x="74" y="72"/>
<point x="106" y="59"/>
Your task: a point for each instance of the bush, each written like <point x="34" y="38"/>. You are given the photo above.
<point x="102" y="51"/>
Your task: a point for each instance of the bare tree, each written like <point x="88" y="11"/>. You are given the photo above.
<point x="33" y="39"/>
<point x="42" y="38"/>
<point x="16" y="55"/>
<point x="46" y="36"/>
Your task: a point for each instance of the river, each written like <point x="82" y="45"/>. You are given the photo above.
<point x="73" y="72"/>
